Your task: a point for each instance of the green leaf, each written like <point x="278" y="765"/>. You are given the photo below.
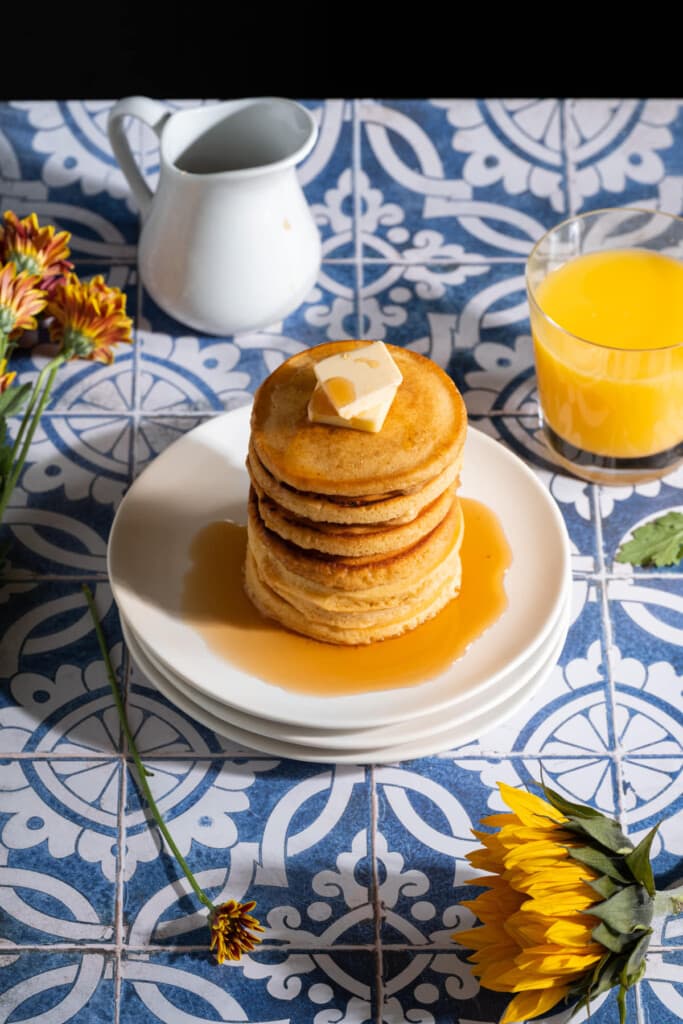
<point x="602" y="829"/>
<point x="604" y="977"/>
<point x="639" y="862"/>
<point x="629" y="910"/>
<point x="657" y="543"/>
<point x="604" y="886"/>
<point x="566" y="807"/>
<point x="12" y="400"/>
<point x="614" y="941"/>
<point x="599" y="861"/>
<point x="635" y="965"/>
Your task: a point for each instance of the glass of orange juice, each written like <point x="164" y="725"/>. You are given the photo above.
<point x="605" y="296"/>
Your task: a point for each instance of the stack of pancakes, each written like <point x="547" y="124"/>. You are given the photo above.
<point x="354" y="537"/>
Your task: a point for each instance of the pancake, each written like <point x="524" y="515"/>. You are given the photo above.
<point x="354" y="537"/>
<point x="273" y="606"/>
<point x="315" y="598"/>
<point x="422" y="435"/>
<point x="400" y="508"/>
<point x="353" y="542"/>
<point x="356" y="574"/>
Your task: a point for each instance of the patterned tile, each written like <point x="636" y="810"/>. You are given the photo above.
<point x="59" y="163"/>
<point x="59" y="850"/>
<point x="292" y="836"/>
<point x="662" y="995"/>
<point x="58" y="986"/>
<point x="455" y="178"/>
<point x="653" y="796"/>
<point x="268" y="985"/>
<point x="62" y="508"/>
<point x="326" y="177"/>
<point x="471" y="319"/>
<point x="624" y="152"/>
<point x="647" y="665"/>
<point x="49" y="643"/>
<point x="624" y="509"/>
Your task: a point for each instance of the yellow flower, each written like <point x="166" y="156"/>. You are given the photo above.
<point x="34" y="249"/>
<point x="231" y="930"/>
<point x="567" y="907"/>
<point x="20" y="300"/>
<point x="89" y="318"/>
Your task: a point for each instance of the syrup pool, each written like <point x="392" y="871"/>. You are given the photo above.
<point x="216" y="606"/>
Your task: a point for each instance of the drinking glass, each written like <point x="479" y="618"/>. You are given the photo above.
<point x="605" y="293"/>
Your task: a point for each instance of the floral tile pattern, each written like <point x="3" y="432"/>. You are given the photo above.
<point x="427" y="210"/>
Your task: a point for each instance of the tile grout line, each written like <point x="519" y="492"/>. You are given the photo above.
<point x="567" y="163"/>
<point x="357" y="239"/>
<point x="241" y="752"/>
<point x="376" y="901"/>
<point x="126" y="668"/>
<point x="607" y="631"/>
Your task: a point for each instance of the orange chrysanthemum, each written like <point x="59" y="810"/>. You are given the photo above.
<point x="5" y="377"/>
<point x="36" y="250"/>
<point x="89" y="318"/>
<point x="20" y="300"/>
<point x="231" y="930"/>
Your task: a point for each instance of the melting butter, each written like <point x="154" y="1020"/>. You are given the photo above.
<point x="321" y="410"/>
<point x="360" y="379"/>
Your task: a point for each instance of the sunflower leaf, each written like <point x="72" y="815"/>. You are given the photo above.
<point x="614" y="941"/>
<point x="605" y="976"/>
<point x="629" y="910"/>
<point x="599" y="861"/>
<point x="635" y="965"/>
<point x="566" y="807"/>
<point x="639" y="862"/>
<point x="605" y="830"/>
<point x="604" y="886"/>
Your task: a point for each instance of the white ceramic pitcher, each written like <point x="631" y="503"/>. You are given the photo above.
<point x="228" y="242"/>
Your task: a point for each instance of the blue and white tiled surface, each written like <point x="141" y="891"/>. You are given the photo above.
<point x="426" y="210"/>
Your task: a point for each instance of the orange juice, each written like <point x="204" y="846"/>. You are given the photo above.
<point x="608" y="340"/>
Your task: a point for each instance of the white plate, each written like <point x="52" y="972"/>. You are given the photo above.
<point x="447" y="736"/>
<point x="201" y="479"/>
<point x="338" y="739"/>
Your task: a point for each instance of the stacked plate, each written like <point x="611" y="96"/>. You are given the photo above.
<point x="201" y="480"/>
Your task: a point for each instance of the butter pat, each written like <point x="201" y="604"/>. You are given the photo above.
<point x="359" y="380"/>
<point x="321" y="410"/>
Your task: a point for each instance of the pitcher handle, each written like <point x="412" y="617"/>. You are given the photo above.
<point x="155" y="115"/>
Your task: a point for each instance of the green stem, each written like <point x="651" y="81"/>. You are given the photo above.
<point x="28" y="427"/>
<point x="35" y="394"/>
<point x="142" y="772"/>
<point x="669" y="901"/>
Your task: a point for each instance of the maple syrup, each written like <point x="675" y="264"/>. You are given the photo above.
<point x="215" y="604"/>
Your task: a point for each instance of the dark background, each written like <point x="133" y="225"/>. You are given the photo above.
<point x="197" y="50"/>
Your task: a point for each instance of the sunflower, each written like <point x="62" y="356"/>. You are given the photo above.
<point x="231" y="930"/>
<point x="88" y="318"/>
<point x="36" y="250"/>
<point x="567" y="909"/>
